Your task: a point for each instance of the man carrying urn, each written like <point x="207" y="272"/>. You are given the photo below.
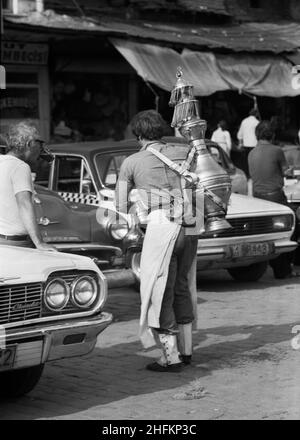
<point x="168" y="251"/>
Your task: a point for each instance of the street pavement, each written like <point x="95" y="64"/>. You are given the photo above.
<point x="244" y="364"/>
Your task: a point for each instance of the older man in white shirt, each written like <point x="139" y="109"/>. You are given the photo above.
<point x="18" y="225"/>
<point x="247" y="138"/>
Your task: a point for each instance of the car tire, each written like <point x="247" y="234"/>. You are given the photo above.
<point x="16" y="383"/>
<point x="135" y="266"/>
<point x="249" y="273"/>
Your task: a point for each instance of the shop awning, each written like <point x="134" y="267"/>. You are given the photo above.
<point x="263" y="75"/>
<point x="245" y="37"/>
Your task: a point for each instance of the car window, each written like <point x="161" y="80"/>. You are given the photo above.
<point x="108" y="166"/>
<point x="113" y="169"/>
<point x="42" y="172"/>
<point x="72" y="175"/>
<point x="214" y="151"/>
<point x="221" y="158"/>
<point x="68" y="172"/>
<point x="87" y="185"/>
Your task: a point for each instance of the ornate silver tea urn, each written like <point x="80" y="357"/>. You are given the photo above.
<point x="211" y="177"/>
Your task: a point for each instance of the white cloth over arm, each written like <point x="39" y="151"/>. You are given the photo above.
<point x="159" y="241"/>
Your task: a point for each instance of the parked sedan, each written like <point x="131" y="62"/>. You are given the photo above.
<point x="86" y="173"/>
<point x="89" y="230"/>
<point x="51" y="308"/>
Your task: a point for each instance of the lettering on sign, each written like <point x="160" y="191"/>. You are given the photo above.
<point x="24" y="53"/>
<point x="12" y="102"/>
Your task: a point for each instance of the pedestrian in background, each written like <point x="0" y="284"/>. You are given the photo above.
<point x="247" y="137"/>
<point x="18" y="225"/>
<point x="222" y="137"/>
<point x="267" y="167"/>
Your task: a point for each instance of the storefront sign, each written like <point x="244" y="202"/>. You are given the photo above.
<point x="19" y="103"/>
<point x="24" y="53"/>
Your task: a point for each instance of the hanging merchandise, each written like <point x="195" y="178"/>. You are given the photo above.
<point x="208" y="177"/>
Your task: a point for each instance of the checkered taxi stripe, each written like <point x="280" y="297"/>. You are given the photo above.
<point x="87" y="199"/>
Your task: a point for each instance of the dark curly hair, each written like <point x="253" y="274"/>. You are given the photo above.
<point x="148" y="124"/>
<point x="264" y="131"/>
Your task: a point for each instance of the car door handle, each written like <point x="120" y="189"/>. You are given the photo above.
<point x="44" y="221"/>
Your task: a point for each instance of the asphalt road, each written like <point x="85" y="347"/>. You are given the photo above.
<point x="245" y="363"/>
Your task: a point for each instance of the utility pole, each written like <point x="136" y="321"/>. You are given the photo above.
<point x="1" y="20"/>
<point x="1" y="29"/>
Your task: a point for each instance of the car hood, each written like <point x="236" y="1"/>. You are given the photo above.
<point x="22" y="265"/>
<point x="241" y="205"/>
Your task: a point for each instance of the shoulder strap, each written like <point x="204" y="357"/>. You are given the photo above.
<point x="184" y="173"/>
<point x="173" y="165"/>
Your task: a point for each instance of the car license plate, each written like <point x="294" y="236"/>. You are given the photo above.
<point x="251" y="249"/>
<point x="7" y="357"/>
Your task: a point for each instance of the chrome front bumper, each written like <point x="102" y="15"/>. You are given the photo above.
<point x="41" y="343"/>
<point x="219" y="257"/>
<point x="221" y="252"/>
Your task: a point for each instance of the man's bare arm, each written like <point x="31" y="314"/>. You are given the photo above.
<point x="27" y="214"/>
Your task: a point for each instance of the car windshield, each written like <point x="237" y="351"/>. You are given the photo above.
<point x="108" y="166"/>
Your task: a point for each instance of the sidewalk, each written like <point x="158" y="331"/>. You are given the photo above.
<point x="244" y="366"/>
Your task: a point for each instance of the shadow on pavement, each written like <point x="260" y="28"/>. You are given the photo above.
<point x="221" y="281"/>
<point x="117" y="372"/>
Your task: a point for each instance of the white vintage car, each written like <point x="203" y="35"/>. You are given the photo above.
<point x="50" y="308"/>
<point x="261" y="231"/>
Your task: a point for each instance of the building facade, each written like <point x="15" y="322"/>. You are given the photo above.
<point x="65" y="73"/>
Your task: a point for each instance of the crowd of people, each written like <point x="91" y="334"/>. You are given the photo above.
<point x="265" y="167"/>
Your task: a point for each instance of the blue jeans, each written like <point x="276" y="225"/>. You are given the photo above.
<point x="177" y="307"/>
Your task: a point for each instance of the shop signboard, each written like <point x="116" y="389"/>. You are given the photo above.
<point x="20" y="103"/>
<point x="24" y="53"/>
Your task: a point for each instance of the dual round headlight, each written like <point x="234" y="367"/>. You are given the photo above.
<point x="82" y="293"/>
<point x="57" y="294"/>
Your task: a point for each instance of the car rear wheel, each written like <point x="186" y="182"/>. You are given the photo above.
<point x="249" y="273"/>
<point x="18" y="382"/>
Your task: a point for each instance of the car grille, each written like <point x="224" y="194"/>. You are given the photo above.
<point x="20" y="302"/>
<point x="250" y="226"/>
<point x="23" y="302"/>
